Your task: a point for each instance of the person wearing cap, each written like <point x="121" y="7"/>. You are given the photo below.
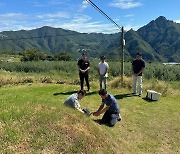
<point x="84" y="66"/>
<point x="138" y="66"/>
<point x="103" y="68"/>
<point x="110" y="108"/>
<point x="73" y="100"/>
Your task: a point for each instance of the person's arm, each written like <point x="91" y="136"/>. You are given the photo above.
<point x="135" y="74"/>
<point x="79" y="109"/>
<point x="140" y="71"/>
<point x="132" y="69"/>
<point x="104" y="110"/>
<point x="81" y="69"/>
<point x="77" y="106"/>
<point x="98" y="70"/>
<point x="87" y="69"/>
<point x="107" y="69"/>
<point x="98" y="111"/>
<point x="100" y="108"/>
<point x="143" y="66"/>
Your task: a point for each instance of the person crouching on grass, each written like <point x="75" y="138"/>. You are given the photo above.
<point x="111" y="110"/>
<point x="73" y="101"/>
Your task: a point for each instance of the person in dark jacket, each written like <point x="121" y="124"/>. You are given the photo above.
<point x="84" y="66"/>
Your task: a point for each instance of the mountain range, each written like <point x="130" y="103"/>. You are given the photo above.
<point x="159" y="40"/>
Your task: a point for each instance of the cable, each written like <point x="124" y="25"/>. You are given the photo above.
<point x="98" y="9"/>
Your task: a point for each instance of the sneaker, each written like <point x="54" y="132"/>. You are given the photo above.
<point x="139" y="95"/>
<point x="119" y="118"/>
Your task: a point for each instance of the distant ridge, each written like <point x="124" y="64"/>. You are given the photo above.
<point x="159" y="40"/>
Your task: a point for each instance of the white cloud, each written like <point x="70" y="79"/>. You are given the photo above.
<point x="125" y="4"/>
<point x="75" y="22"/>
<point x="129" y="26"/>
<point x="36" y="4"/>
<point x="177" y="21"/>
<point x="81" y="24"/>
<point x="53" y="15"/>
<point x="84" y="4"/>
<point x="129" y="15"/>
<point x="55" y="2"/>
<point x="13" y="16"/>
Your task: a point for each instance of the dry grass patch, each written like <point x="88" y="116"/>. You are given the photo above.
<point x="160" y="86"/>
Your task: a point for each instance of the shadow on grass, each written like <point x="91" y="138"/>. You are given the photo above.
<point x="121" y="96"/>
<point x="148" y="100"/>
<point x="99" y="121"/>
<point x="65" y="93"/>
<point x="72" y="92"/>
<point x="91" y="93"/>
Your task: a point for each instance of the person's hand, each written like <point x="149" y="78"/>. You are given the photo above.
<point x="135" y="74"/>
<point x="82" y="71"/>
<point x="96" y="114"/>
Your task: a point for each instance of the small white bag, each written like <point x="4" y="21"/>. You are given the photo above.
<point x="153" y="95"/>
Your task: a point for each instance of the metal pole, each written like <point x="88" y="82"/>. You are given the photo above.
<point x="122" y="56"/>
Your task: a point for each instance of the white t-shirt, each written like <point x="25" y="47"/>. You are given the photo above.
<point x="72" y="101"/>
<point x="102" y="68"/>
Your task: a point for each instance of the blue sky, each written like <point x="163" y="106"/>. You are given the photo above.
<point x="79" y="16"/>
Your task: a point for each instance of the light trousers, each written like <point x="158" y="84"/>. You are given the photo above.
<point x="102" y="78"/>
<point x="137" y="84"/>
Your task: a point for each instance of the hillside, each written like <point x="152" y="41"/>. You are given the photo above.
<point x="159" y="40"/>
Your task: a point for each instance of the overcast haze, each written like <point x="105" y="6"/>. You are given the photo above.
<point x="78" y="15"/>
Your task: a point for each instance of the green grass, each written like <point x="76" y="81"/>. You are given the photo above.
<point x="33" y="119"/>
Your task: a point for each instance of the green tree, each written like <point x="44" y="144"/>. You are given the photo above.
<point x="63" y="56"/>
<point x="33" y="55"/>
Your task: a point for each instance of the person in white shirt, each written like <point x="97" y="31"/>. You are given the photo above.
<point x="73" y="100"/>
<point x="103" y="68"/>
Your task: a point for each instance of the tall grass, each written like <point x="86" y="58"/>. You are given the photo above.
<point x="152" y="70"/>
<point x="163" y="87"/>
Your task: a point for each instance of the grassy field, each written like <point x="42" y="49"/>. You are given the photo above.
<point x="33" y="119"/>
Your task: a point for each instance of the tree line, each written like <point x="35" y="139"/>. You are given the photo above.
<point x="33" y="54"/>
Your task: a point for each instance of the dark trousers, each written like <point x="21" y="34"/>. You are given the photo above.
<point x="83" y="76"/>
<point x="110" y="118"/>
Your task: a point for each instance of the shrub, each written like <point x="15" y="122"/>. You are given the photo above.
<point x="33" y="55"/>
<point x="63" y="56"/>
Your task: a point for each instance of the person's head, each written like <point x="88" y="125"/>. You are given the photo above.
<point x="84" y="56"/>
<point x="102" y="58"/>
<point x="81" y="94"/>
<point x="139" y="55"/>
<point x="103" y="93"/>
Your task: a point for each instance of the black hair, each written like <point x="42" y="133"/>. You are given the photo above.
<point x="102" y="92"/>
<point x="102" y="57"/>
<point x="139" y="53"/>
<point x="82" y="92"/>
